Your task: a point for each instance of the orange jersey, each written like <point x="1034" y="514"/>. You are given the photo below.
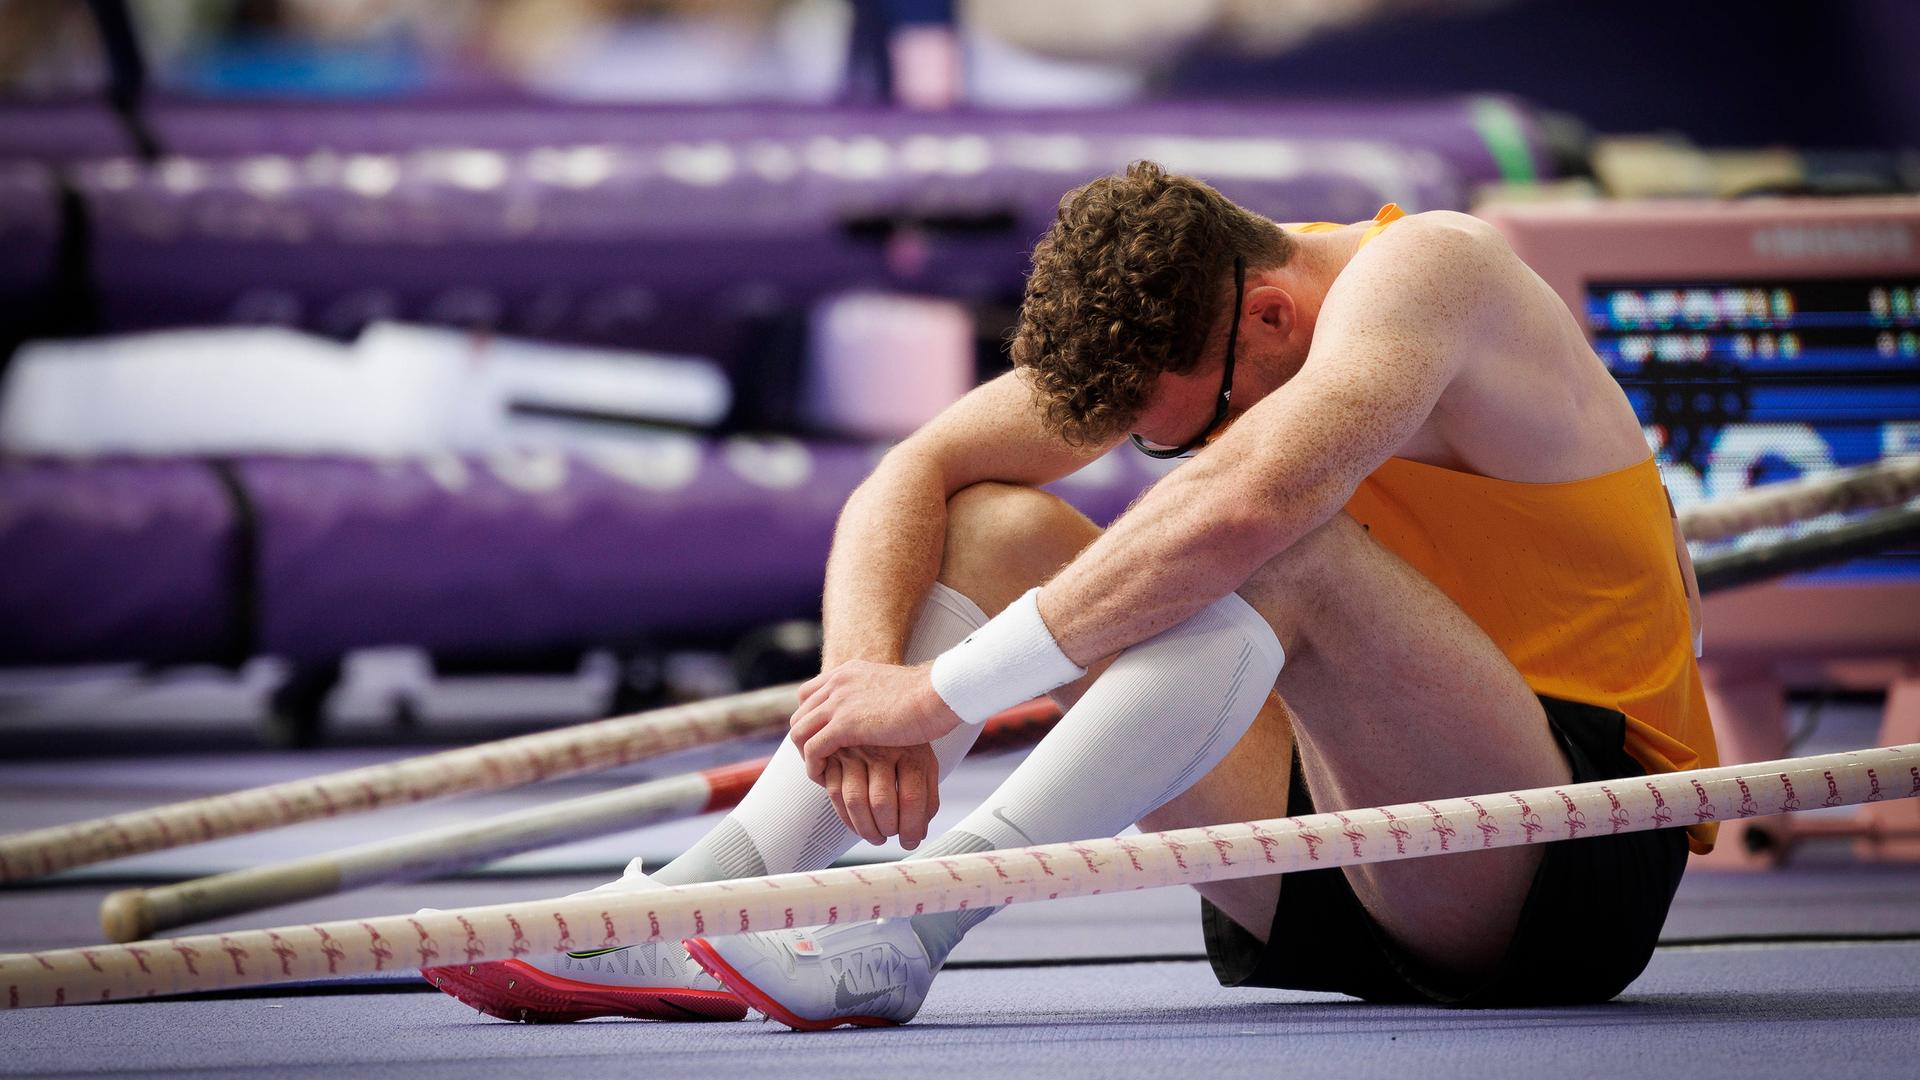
<point x="1576" y="583"/>
<point x="1388" y="214"/>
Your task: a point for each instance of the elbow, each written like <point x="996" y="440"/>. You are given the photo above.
<point x="901" y="455"/>
<point x="906" y="481"/>
<point x="1240" y="534"/>
<point x="916" y="463"/>
<point x="904" y="463"/>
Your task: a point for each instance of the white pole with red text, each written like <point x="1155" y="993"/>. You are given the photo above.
<point x="992" y="878"/>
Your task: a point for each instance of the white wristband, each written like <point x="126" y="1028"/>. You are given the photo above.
<point x="1010" y="660"/>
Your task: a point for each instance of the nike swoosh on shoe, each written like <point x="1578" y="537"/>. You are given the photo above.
<point x="844" y="996"/>
<point x="591" y="953"/>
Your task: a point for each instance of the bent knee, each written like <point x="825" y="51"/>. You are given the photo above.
<point x="1003" y="539"/>
<point x="1292" y="589"/>
<point x="994" y="507"/>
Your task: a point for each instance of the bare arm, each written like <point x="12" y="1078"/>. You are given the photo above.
<point x="890" y="538"/>
<point x="1388" y="345"/>
<point x="886" y="553"/>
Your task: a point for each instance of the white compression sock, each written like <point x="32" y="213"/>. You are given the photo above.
<point x="1157" y="720"/>
<point x="786" y="823"/>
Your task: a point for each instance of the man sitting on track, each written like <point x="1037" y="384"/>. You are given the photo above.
<point x="1421" y="550"/>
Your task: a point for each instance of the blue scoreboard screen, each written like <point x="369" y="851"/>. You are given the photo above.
<point x="1749" y="382"/>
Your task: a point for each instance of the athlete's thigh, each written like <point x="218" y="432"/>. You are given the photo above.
<point x="1398" y="696"/>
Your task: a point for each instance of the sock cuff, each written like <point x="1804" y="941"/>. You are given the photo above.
<point x="1237" y="613"/>
<point x="957" y="604"/>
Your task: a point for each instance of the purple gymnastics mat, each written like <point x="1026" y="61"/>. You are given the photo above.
<point x="670" y="228"/>
<point x="533" y="551"/>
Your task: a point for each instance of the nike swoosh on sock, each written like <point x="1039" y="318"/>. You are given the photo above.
<point x="1001" y="813"/>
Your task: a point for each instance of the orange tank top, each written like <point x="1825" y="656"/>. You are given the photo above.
<point x="1576" y="583"/>
<point x="1386" y="216"/>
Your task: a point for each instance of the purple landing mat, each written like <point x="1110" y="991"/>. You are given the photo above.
<point x="672" y="229"/>
<point x="1752" y="1014"/>
<point x="29" y="232"/>
<point x="530" y="551"/>
<point x="1454" y="127"/>
<point x="124" y="559"/>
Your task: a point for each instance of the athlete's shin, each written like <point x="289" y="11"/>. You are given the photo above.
<point x="786" y="823"/>
<point x="1163" y="714"/>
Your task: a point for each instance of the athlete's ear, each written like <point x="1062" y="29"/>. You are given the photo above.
<point x="1272" y="306"/>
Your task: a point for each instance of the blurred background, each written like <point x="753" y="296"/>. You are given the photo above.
<point x="375" y="369"/>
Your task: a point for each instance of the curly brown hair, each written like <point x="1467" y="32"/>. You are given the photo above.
<point x="1127" y="284"/>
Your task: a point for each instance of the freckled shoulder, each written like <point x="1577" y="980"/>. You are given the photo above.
<point x="1441" y="241"/>
<point x="1430" y="265"/>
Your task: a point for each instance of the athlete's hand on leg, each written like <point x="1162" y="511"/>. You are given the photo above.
<point x="862" y="704"/>
<point x="882" y="791"/>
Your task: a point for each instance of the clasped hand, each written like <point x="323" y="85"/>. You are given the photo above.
<point x="865" y="730"/>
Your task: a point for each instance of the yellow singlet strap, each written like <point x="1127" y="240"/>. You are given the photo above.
<point x="1388" y="214"/>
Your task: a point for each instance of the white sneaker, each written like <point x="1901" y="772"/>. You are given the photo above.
<point x="868" y="974"/>
<point x="654" y="980"/>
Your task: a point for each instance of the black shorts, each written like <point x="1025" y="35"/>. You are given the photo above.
<point x="1589" y="925"/>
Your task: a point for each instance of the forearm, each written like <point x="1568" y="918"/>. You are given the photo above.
<point x="886" y="553"/>
<point x="1198" y="535"/>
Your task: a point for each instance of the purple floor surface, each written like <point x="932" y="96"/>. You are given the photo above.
<point x="1752" y="1013"/>
<point x="1809" y="970"/>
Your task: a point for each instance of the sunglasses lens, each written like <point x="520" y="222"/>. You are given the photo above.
<point x="1155" y="450"/>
